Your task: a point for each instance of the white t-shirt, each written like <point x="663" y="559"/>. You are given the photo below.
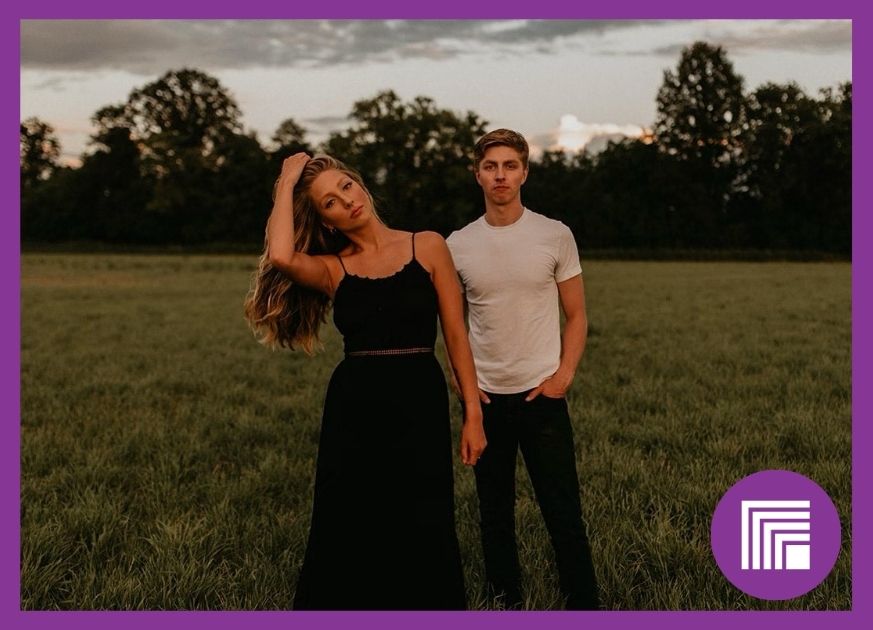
<point x="510" y="276"/>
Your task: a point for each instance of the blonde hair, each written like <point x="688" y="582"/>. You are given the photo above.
<point x="280" y="312"/>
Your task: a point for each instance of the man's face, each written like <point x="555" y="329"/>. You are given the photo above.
<point x="501" y="175"/>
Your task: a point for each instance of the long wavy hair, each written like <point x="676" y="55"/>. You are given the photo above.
<point x="280" y="312"/>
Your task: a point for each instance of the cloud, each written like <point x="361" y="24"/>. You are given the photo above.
<point x="541" y="141"/>
<point x="326" y="121"/>
<point x="54" y="84"/>
<point x="322" y="126"/>
<point x="573" y="135"/>
<point x="550" y="30"/>
<point x="789" y="35"/>
<point x="800" y="36"/>
<point x="152" y="46"/>
<point x="87" y="45"/>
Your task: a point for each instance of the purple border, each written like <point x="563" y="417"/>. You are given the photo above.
<point x="638" y="9"/>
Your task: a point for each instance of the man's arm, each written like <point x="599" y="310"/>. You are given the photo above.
<point x="571" y="293"/>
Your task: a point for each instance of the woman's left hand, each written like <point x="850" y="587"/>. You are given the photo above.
<point x="473" y="440"/>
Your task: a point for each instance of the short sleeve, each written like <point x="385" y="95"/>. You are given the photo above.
<point x="452" y="243"/>
<point x="568" y="264"/>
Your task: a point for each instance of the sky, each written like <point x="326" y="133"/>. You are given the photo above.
<point x="561" y="83"/>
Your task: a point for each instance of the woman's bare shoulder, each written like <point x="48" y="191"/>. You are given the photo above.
<point x="431" y="250"/>
<point x="430" y="239"/>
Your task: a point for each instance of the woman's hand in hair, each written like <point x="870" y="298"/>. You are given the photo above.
<point x="292" y="167"/>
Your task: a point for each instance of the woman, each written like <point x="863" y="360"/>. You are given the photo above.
<point x="382" y="534"/>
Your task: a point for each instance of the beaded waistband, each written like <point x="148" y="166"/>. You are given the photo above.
<point x="387" y="352"/>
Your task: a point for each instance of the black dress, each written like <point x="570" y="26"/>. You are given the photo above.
<point x="382" y="535"/>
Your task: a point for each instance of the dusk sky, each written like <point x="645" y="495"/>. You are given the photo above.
<point x="557" y="82"/>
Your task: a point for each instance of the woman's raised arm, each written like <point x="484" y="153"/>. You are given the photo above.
<point x="306" y="270"/>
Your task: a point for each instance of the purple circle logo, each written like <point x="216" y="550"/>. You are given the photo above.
<point x="775" y="534"/>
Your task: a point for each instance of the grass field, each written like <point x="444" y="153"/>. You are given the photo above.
<point x="168" y="460"/>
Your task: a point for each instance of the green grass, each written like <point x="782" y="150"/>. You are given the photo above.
<point x="168" y="460"/>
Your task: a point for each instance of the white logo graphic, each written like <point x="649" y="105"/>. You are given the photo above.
<point x="779" y="532"/>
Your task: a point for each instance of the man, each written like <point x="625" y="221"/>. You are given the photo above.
<point x="516" y="266"/>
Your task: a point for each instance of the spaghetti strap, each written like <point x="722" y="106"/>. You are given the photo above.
<point x="339" y="258"/>
<point x="389" y="327"/>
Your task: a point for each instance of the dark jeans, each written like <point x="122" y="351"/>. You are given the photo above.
<point x="542" y="429"/>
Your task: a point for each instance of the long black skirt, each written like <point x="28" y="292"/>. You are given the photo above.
<point x="382" y="535"/>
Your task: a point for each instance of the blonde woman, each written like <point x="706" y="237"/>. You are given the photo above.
<point x="382" y="534"/>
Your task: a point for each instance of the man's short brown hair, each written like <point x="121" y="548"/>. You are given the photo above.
<point x="497" y="138"/>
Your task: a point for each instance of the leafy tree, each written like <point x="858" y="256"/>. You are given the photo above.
<point x="289" y="138"/>
<point x="700" y="121"/>
<point x="185" y="114"/>
<point x="771" y="169"/>
<point x="183" y="123"/>
<point x="39" y="150"/>
<point x="40" y="172"/>
<point x="818" y="177"/>
<point x="795" y="185"/>
<point x="103" y="200"/>
<point x="115" y="184"/>
<point x="241" y="197"/>
<point x="415" y="159"/>
<point x="701" y="106"/>
<point x="777" y="116"/>
<point x="555" y="187"/>
<point x="634" y="193"/>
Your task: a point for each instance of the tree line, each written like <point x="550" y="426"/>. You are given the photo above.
<point x="723" y="169"/>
